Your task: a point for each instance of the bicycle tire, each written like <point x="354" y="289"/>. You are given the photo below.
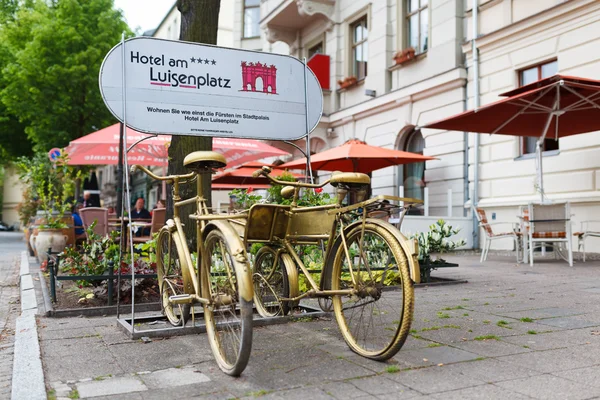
<point x="380" y="336"/>
<point x="270" y="283"/>
<point x="229" y="326"/>
<point x="170" y="279"/>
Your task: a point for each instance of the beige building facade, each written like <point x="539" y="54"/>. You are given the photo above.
<point x="519" y="42"/>
<point x="392" y="90"/>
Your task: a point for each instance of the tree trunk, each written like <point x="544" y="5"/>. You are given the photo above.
<point x="199" y="23"/>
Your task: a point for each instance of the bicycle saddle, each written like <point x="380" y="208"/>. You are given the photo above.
<point x="350" y="179"/>
<point x="201" y="160"/>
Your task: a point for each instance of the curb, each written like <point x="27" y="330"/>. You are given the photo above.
<point x="28" y="375"/>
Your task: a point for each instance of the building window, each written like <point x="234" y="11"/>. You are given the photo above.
<point x="251" y="18"/>
<point x="360" y="48"/>
<point x="316" y="49"/>
<point x="414" y="173"/>
<point x="417" y="17"/>
<point x="527" y="76"/>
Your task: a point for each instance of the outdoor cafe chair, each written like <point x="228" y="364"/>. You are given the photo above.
<point x="490" y="235"/>
<point x="158" y="221"/>
<point x="100" y="215"/>
<point x="588" y="229"/>
<point x="550" y="223"/>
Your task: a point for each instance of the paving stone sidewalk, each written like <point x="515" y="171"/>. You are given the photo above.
<point x="10" y="254"/>
<point x="512" y="331"/>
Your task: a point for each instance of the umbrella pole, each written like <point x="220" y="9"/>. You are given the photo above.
<point x="540" y="177"/>
<point x="538" y="147"/>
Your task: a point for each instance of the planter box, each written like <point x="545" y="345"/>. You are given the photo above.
<point x="347" y="82"/>
<point x="427" y="267"/>
<point x="404" y="56"/>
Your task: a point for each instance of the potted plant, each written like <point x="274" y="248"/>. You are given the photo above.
<point x="404" y="55"/>
<point x="51" y="185"/>
<point x="347" y="82"/>
<point x="51" y="234"/>
<point x="433" y="244"/>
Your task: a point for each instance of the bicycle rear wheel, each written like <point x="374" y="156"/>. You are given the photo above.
<point x="270" y="283"/>
<point x="228" y="316"/>
<point x="170" y="279"/>
<point x="376" y="320"/>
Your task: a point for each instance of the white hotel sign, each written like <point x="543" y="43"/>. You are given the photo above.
<point x="183" y="88"/>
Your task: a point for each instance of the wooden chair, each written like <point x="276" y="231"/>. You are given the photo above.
<point x="490" y="235"/>
<point x="100" y="215"/>
<point x="588" y="229"/>
<point x="158" y="221"/>
<point x="550" y="223"/>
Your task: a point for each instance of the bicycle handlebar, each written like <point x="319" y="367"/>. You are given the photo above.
<point x="168" y="178"/>
<point x="265" y="171"/>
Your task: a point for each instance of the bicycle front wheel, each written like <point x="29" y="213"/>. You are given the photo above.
<point x="228" y="316"/>
<point x="270" y="283"/>
<point x="169" y="266"/>
<point x="376" y="319"/>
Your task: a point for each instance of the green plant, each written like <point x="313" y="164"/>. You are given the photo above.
<point x="93" y="257"/>
<point x="436" y="241"/>
<point x="28" y="207"/>
<point x="502" y="324"/>
<point x="48" y="186"/>
<point x="275" y="190"/>
<point x="243" y="199"/>
<point x="442" y="315"/>
<point x="532" y="332"/>
<point x="453" y="308"/>
<point x="392" y="369"/>
<point x="487" y="337"/>
<point x="526" y="319"/>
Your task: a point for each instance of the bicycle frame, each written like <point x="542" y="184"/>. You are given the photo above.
<point x="305" y="231"/>
<point x="203" y="218"/>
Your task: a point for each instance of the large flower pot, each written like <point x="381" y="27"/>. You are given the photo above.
<point x="49" y="238"/>
<point x="40" y="219"/>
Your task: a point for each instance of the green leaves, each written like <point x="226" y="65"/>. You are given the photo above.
<point x="436" y="240"/>
<point x="50" y="57"/>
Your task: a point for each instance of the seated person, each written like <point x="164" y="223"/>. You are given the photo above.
<point x="139" y="212"/>
<point x="89" y="200"/>
<point x="159" y="204"/>
<point x="78" y="223"/>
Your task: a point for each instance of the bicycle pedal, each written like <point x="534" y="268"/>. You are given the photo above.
<point x="181" y="299"/>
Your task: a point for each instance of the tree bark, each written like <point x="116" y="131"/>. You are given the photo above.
<point x="199" y="23"/>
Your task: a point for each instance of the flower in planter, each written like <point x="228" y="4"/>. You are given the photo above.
<point x="404" y="55"/>
<point x="347" y="82"/>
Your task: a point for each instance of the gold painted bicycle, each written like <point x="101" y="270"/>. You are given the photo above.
<point x="368" y="271"/>
<point x="219" y="277"/>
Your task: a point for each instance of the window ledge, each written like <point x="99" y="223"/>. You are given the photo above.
<point x="357" y="84"/>
<point x="530" y="156"/>
<point x="418" y="57"/>
<point x="251" y="37"/>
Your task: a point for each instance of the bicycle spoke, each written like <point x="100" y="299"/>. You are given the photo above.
<point x="371" y="317"/>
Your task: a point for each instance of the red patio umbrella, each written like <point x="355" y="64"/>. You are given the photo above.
<point x="102" y="147"/>
<point x="356" y="156"/>
<point x="242" y="176"/>
<point x="554" y="107"/>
